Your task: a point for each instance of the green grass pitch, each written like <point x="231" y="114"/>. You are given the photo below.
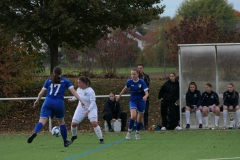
<point x="164" y="145"/>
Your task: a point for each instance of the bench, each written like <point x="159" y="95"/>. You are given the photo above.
<point x="211" y="118"/>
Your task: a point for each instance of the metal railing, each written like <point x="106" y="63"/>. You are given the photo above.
<point x="66" y="97"/>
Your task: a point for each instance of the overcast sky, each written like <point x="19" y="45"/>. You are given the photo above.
<point x="172" y="5"/>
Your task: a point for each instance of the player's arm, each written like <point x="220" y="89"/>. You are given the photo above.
<point x="72" y="90"/>
<point x="120" y="94"/>
<point x="41" y="93"/>
<point x="146" y="95"/>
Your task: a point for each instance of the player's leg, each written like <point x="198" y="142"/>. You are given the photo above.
<point x="238" y="115"/>
<point x="216" y="110"/>
<point x="187" y="116"/>
<point x="141" y="105"/>
<point x="205" y="111"/>
<point x="78" y="116"/>
<point x="59" y="112"/>
<point x="133" y="113"/>
<point x="92" y="116"/>
<point x="199" y="116"/>
<point x="44" y="114"/>
<point x="225" y="114"/>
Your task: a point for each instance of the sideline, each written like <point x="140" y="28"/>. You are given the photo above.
<point x="96" y="149"/>
<point x="221" y="158"/>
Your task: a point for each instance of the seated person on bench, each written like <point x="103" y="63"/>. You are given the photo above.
<point x="112" y="112"/>
<point x="193" y="102"/>
<point x="230" y="102"/>
<point x="210" y="102"/>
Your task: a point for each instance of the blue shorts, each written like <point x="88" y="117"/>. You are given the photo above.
<point x="139" y="105"/>
<point x="54" y="108"/>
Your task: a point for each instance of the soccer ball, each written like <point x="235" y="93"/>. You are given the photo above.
<point x="56" y="131"/>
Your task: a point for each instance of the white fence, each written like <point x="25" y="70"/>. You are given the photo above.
<point x="66" y="97"/>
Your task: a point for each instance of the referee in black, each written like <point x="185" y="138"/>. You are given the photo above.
<point x="146" y="79"/>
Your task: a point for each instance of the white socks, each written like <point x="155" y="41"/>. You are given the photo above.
<point x="238" y="115"/>
<point x="199" y="116"/>
<point x="187" y="115"/>
<point x="74" y="131"/>
<point x="216" y="120"/>
<point x="206" y="120"/>
<point x="98" y="132"/>
<point x="225" y="113"/>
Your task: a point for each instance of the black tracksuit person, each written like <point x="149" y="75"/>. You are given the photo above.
<point x="147" y="81"/>
<point x="210" y="102"/>
<point x="230" y="103"/>
<point x="112" y="112"/>
<point x="168" y="95"/>
<point x="193" y="101"/>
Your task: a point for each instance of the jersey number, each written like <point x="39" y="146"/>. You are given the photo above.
<point x="55" y="85"/>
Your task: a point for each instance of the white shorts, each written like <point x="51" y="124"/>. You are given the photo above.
<point x="210" y="108"/>
<point x="79" y="115"/>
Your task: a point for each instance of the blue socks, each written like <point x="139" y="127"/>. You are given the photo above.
<point x="63" y="130"/>
<point x="131" y="123"/>
<point x="38" y="127"/>
<point x="138" y="127"/>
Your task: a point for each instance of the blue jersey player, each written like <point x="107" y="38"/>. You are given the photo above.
<point x="138" y="97"/>
<point x="54" y="103"/>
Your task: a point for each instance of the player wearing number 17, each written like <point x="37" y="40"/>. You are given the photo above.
<point x="54" y="103"/>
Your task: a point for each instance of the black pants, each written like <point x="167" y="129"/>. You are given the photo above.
<point x="123" y="117"/>
<point x="146" y="113"/>
<point x="165" y="107"/>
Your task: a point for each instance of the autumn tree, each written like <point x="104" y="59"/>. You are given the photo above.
<point x="198" y="31"/>
<point x="118" y="49"/>
<point x="76" y="23"/>
<point x="18" y="63"/>
<point x="221" y="10"/>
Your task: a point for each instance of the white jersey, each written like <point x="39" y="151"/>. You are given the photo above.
<point x="88" y="97"/>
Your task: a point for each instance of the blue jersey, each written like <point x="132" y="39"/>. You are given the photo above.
<point x="57" y="90"/>
<point x="137" y="89"/>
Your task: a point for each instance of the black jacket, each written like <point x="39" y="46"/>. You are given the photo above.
<point x="209" y="99"/>
<point x="113" y="108"/>
<point x="193" y="98"/>
<point x="229" y="100"/>
<point x="146" y="79"/>
<point x="169" y="91"/>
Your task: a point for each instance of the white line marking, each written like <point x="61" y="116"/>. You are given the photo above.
<point x="221" y="158"/>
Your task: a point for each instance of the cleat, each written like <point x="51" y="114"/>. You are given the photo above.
<point x="30" y="139"/>
<point x="67" y="143"/>
<point x="200" y="126"/>
<point x="73" y="138"/>
<point x="188" y="126"/>
<point x="137" y="136"/>
<point x="128" y="135"/>
<point x="206" y="127"/>
<point x="101" y="141"/>
<point x="163" y="129"/>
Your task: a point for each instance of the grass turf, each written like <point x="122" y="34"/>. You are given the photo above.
<point x="174" y="145"/>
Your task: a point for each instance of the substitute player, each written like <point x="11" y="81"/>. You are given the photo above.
<point x="138" y="97"/>
<point x="54" y="103"/>
<point x="193" y="101"/>
<point x="210" y="102"/>
<point x="230" y="102"/>
<point x="90" y="109"/>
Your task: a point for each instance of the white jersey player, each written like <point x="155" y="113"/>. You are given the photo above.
<point x="90" y="109"/>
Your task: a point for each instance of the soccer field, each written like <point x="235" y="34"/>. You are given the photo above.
<point x="166" y="145"/>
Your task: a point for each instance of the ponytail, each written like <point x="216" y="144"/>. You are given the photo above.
<point x="56" y="76"/>
<point x="85" y="80"/>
